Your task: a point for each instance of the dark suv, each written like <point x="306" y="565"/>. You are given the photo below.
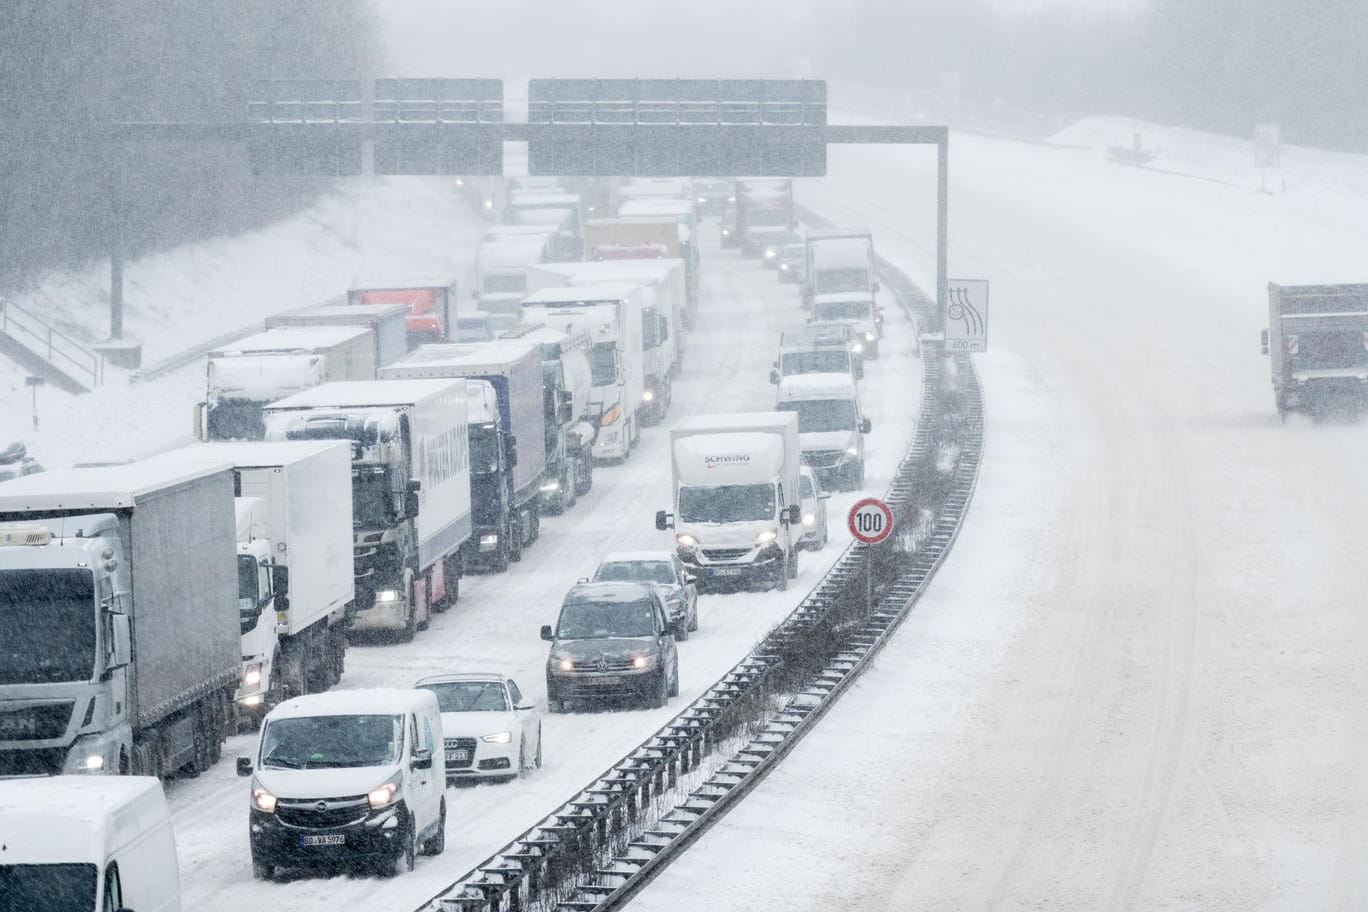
<point x="611" y="640"/>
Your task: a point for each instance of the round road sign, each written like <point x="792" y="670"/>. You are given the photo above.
<point x="870" y="521"/>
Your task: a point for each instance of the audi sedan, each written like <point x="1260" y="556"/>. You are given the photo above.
<point x="663" y="569"/>
<point x="491" y="731"/>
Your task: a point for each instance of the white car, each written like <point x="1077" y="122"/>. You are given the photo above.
<point x="677" y="586"/>
<point x="489" y="729"/>
<point x="813" y="500"/>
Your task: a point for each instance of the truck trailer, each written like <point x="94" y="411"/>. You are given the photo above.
<point x="119" y="636"/>
<point x="410" y="477"/>
<point x="1317" y="339"/>
<point x="388" y="324"/>
<point x="430" y="305"/>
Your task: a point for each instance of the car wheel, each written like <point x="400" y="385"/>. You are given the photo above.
<point x="781" y="575"/>
<point x="536" y="761"/>
<point x="674" y="681"/>
<point x="693" y="618"/>
<point x="683" y="633"/>
<point x="791" y="562"/>
<point x="436" y="845"/>
<point x="263" y="871"/>
<point x="661" y="694"/>
<point x="403" y="862"/>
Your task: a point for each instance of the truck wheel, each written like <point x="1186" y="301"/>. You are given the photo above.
<point x="792" y="564"/>
<point x="501" y="556"/>
<point x="781" y="576"/>
<point x="569" y="491"/>
<point x="513" y="535"/>
<point x="411" y="624"/>
<point x="534" y="522"/>
<point x="584" y="478"/>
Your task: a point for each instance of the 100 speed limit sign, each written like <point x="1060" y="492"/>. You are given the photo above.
<point x="870" y="521"/>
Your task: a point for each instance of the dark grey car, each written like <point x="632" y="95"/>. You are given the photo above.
<point x="611" y="640"/>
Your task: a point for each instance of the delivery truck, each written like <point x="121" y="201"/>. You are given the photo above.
<point x="501" y="271"/>
<point x="737" y="515"/>
<point x="429" y="302"/>
<point x="1317" y="339"/>
<point x="119" y="636"/>
<point x="388" y="324"/>
<point x="410" y="478"/>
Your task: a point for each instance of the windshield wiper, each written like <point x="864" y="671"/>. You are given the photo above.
<point x="282" y="761"/>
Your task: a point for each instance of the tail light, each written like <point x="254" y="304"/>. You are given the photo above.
<point x="1292" y="346"/>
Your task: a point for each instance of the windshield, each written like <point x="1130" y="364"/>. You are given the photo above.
<point x="603" y="363"/>
<point x="235" y="419"/>
<point x="249" y="592"/>
<point x="805" y="489"/>
<point x="840" y="310"/>
<point x="726" y="503"/>
<point x="319" y="742"/>
<point x="502" y="284"/>
<point x="469" y="696"/>
<point x="767" y="218"/>
<point x="637" y="572"/>
<point x="48" y="887"/>
<point x="484" y="449"/>
<point x="1330" y="351"/>
<point x="815" y="415"/>
<point x="371" y="503"/>
<point x="836" y="360"/>
<point x="597" y="620"/>
<point x="829" y="281"/>
<point x="47" y="626"/>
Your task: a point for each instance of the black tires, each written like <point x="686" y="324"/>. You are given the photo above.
<point x="262" y="871"/>
<point x="674" y="681"/>
<point x="660" y="693"/>
<point x="404" y="861"/>
<point x="436" y="844"/>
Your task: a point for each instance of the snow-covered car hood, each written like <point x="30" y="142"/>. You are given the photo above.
<point x="725" y="535"/>
<point x="475" y="724"/>
<point x="323" y="783"/>
<point x="613" y="649"/>
<point x="827" y="440"/>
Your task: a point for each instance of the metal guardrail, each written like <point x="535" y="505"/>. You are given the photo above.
<point x="600" y="847"/>
<point x="63" y="353"/>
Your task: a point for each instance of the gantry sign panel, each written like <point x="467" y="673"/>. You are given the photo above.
<point x="305" y="127"/>
<point x="438" y="126"/>
<point x="671" y="127"/>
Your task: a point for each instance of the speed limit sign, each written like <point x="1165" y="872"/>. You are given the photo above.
<point x="870" y="521"/>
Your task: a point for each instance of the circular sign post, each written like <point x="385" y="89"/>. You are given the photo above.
<point x="870" y="522"/>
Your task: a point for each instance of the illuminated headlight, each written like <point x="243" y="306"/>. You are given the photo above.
<point x="263" y="800"/>
<point x="765" y="537"/>
<point x="784" y="266"/>
<point x="769" y="254"/>
<point x="611" y="416"/>
<point x="387" y="595"/>
<point x="489" y="538"/>
<point x="852" y="451"/>
<point x="702" y="200"/>
<point x="809" y="519"/>
<point x="497" y="738"/>
<point x="731" y="199"/>
<point x="686" y="541"/>
<point x="253" y="700"/>
<point x="566" y="665"/>
<point x="641" y="661"/>
<point x="550" y="487"/>
<point x="460" y="182"/>
<point x="92" y="764"/>
<point x="648" y="396"/>
<point x="489" y="204"/>
<point x="382" y="796"/>
<point x="869" y="336"/>
<point x="726" y="232"/>
<point x="251" y="677"/>
<point x="856" y="347"/>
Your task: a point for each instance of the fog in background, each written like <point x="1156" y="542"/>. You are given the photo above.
<point x="68" y="67"/>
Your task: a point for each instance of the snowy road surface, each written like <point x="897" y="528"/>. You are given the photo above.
<point x="1138" y="681"/>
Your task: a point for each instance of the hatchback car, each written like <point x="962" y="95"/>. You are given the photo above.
<point x="665" y="570"/>
<point x="611" y="640"/>
<point x="775" y="244"/>
<point x="813" y="500"/>
<point x="490" y="731"/>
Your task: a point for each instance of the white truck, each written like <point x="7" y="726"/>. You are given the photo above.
<point x="562" y="212"/>
<point x="294" y="547"/>
<point x="246" y="375"/>
<point x="839" y="260"/>
<point x="737" y="508"/>
<point x="501" y="271"/>
<point x="611" y="314"/>
<point x="507" y="440"/>
<point x="662" y="318"/>
<point x="831" y="425"/>
<point x="858" y="310"/>
<point x="387" y="323"/>
<point x="649" y="238"/>
<point x="133" y="665"/>
<point x="410" y="476"/>
<point x="87" y="843"/>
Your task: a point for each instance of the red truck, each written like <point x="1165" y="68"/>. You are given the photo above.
<point x="431" y="306"/>
<point x="763" y="207"/>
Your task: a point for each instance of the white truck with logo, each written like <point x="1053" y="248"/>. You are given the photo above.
<point x="410" y="476"/>
<point x="294" y="547"/>
<point x="831" y="426"/>
<point x="611" y="314"/>
<point x="737" y="509"/>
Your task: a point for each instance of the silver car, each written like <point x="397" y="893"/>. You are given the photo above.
<point x="813" y="501"/>
<point x="664" y="569"/>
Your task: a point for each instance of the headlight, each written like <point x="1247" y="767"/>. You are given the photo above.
<point x="382" y="796"/>
<point x="702" y="200"/>
<point x="769" y="254"/>
<point x="641" y="662"/>
<point x="852" y="451"/>
<point x="857" y="347"/>
<point x="93" y="763"/>
<point x="731" y="199"/>
<point x="809" y="519"/>
<point x="566" y="664"/>
<point x="611" y="416"/>
<point x="869" y="336"/>
<point x="551" y="487"/>
<point x="251" y="677"/>
<point x="765" y="537"/>
<point x="497" y="738"/>
<point x="387" y="595"/>
<point x="648" y="396"/>
<point x="263" y="800"/>
<point x="687" y="541"/>
<point x="490" y="538"/>
<point x="784" y="266"/>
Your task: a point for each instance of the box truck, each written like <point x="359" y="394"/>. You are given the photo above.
<point x="429" y="302"/>
<point x="388" y="324"/>
<point x="1317" y="338"/>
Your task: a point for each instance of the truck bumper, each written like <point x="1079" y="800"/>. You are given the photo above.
<point x="383" y="615"/>
<point x="611" y="443"/>
<point x="275" y="843"/>
<point x="723" y="576"/>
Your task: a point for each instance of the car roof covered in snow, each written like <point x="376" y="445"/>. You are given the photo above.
<point x="366" y="702"/>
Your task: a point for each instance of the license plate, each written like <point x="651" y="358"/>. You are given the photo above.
<point x="728" y="571"/>
<point x="337" y="839"/>
<point x="601" y="681"/>
<point x="458" y="756"/>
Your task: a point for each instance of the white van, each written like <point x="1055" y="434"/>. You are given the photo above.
<point x="831" y="426"/>
<point x="348" y="778"/>
<point x="87" y="844"/>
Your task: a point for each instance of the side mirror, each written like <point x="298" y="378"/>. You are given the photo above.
<point x="511" y="450"/>
<point x="411" y="504"/>
<point x="280" y="580"/>
<point x="422" y="760"/>
<point x="582" y="579"/>
<point x="866" y="425"/>
<point x="662" y="520"/>
<point x="876" y="285"/>
<point x="546" y="633"/>
<point x="123" y="640"/>
<point x="690" y="579"/>
<point x="824" y="496"/>
<point x="792" y="515"/>
<point x="201" y="433"/>
<point x="1263" y="341"/>
<point x="524" y="707"/>
<point x="774" y="376"/>
<point x="244" y="766"/>
<point x="282" y="603"/>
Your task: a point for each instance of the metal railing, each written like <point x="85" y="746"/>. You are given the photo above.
<point x="59" y="350"/>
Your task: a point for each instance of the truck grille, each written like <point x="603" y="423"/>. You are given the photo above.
<point x="43" y="762"/>
<point x="35" y="723"/>
<point x="821" y="459"/>
<point x="465" y="744"/>
<point x="322" y="813"/>
<point x="725" y="554"/>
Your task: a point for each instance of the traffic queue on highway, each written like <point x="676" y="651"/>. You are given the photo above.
<point x="357" y="458"/>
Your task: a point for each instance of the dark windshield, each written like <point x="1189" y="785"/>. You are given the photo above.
<point x="1330" y="351"/>
<point x="317" y="742"/>
<point x="235" y="419"/>
<point x="484" y="449"/>
<point x="372" y="506"/>
<point x="816" y="415"/>
<point x="469" y="696"/>
<point x="603" y="363"/>
<point x="47" y="626"/>
<point x="643" y="571"/>
<point x="249" y="592"/>
<point x="597" y="620"/>
<point x="836" y="360"/>
<point x="726" y="503"/>
<point x="767" y="218"/>
<point x="829" y="281"/>
<point x="48" y="887"/>
<point x="840" y="310"/>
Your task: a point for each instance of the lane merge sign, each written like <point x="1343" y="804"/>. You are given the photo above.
<point x="870" y="521"/>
